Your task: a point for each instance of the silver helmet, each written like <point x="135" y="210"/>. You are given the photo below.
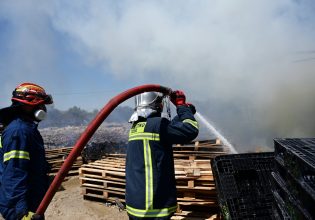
<point x="152" y="100"/>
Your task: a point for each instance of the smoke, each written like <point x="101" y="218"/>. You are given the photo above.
<point x="29" y="47"/>
<point x="249" y="64"/>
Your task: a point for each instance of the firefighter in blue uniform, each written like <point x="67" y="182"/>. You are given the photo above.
<point x="150" y="176"/>
<point x="23" y="167"/>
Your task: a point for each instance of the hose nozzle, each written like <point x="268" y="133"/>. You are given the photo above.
<point x="166" y="90"/>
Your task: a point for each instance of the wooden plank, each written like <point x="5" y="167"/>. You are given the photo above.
<point x="101" y="173"/>
<point x="113" y="189"/>
<point x="206" y="203"/>
<point x="203" y="177"/>
<point x="197" y="152"/>
<point x="70" y="173"/>
<point x="101" y="183"/>
<point x="193" y="215"/>
<point x="195" y="188"/>
<point x="102" y="193"/>
<point x="188" y="172"/>
<point x="97" y="166"/>
<point x="192" y="183"/>
<point x="186" y="200"/>
<point x="105" y="178"/>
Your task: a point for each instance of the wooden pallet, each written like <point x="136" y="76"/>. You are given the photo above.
<point x="194" y="179"/>
<point x="56" y="157"/>
<point x="103" y="184"/>
<point x="101" y="174"/>
<point x="191" y="183"/>
<point x="101" y="194"/>
<point x="194" y="155"/>
<point x="207" y="145"/>
<point x="58" y="152"/>
<point x="195" y="214"/>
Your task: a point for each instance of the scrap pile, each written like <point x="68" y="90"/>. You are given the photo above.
<point x="56" y="157"/>
<point x="105" y="179"/>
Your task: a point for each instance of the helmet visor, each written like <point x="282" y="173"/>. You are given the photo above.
<point x="148" y="99"/>
<point x="48" y="99"/>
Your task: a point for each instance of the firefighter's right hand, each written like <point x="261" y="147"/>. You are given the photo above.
<point x="178" y="98"/>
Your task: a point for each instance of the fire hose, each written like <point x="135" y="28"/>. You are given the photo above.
<point x="88" y="133"/>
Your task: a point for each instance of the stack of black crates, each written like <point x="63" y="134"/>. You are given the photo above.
<point x="277" y="185"/>
<point x="243" y="183"/>
<point x="293" y="185"/>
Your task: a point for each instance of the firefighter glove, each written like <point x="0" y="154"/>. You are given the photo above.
<point x="28" y="216"/>
<point x="178" y="98"/>
<point x="192" y="107"/>
<point x="32" y="216"/>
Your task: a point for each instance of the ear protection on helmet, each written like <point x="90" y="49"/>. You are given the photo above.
<point x="40" y="113"/>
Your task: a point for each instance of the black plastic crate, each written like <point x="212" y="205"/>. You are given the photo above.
<point x="298" y="157"/>
<point x="279" y="208"/>
<point x="299" y="189"/>
<point x="292" y="206"/>
<point x="243" y="183"/>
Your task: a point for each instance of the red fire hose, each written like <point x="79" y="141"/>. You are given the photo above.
<point x="87" y="134"/>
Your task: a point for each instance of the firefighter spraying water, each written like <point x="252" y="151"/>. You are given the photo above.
<point x="88" y="133"/>
<point x="150" y="175"/>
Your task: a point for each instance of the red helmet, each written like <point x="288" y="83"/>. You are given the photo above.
<point x="31" y="94"/>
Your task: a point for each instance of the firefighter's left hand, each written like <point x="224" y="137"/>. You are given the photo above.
<point x="178" y="98"/>
<point x="32" y="216"/>
<point x="28" y="216"/>
<point x="192" y="107"/>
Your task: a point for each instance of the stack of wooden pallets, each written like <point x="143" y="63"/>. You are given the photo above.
<point x="104" y="179"/>
<point x="56" y="157"/>
<point x="196" y="194"/>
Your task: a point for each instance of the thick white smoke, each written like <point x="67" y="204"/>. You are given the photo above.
<point x="258" y="56"/>
<point x="214" y="47"/>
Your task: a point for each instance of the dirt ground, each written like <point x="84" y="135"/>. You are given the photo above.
<point x="69" y="204"/>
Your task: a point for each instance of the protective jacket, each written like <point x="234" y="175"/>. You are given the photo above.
<point x="150" y="176"/>
<point x="23" y="169"/>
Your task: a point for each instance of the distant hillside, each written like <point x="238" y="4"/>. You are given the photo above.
<point x="78" y="117"/>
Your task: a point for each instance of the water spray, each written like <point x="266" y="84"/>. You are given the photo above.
<point x="216" y="133"/>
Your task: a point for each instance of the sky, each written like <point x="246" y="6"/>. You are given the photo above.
<point x="249" y="65"/>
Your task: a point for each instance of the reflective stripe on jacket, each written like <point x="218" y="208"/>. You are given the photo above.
<point x="150" y="176"/>
<point x="23" y="168"/>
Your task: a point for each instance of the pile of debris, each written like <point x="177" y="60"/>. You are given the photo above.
<point x="55" y="137"/>
<point x="95" y="151"/>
